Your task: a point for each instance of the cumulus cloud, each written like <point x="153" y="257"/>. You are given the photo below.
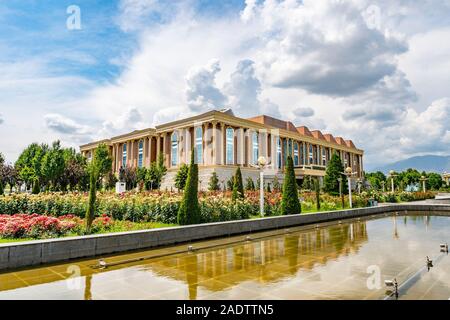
<point x="324" y="47"/>
<point x="304" y="112"/>
<point x="202" y="92"/>
<point x="68" y="127"/>
<point x="131" y="119"/>
<point x="244" y="90"/>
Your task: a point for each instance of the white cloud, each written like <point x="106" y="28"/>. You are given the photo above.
<point x="324" y="47"/>
<point x="130" y="120"/>
<point x="202" y="92"/>
<point x="244" y="90"/>
<point x="276" y="57"/>
<point x="304" y="112"/>
<point x="1" y="119"/>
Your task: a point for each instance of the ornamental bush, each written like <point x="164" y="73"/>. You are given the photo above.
<point x="290" y="203"/>
<point x="238" y="186"/>
<point x="189" y="212"/>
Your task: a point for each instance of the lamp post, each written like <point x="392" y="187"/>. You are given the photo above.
<point x="340" y="193"/>
<point x="349" y="173"/>
<point x="262" y="163"/>
<point x="392" y="175"/>
<point x="423" y="179"/>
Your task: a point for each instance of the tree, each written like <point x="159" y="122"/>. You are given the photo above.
<point x="317" y="189"/>
<point x="238" y="187"/>
<point x="434" y="181"/>
<point x="333" y="173"/>
<point x="214" y="182"/>
<point x="181" y="177"/>
<point x="376" y="179"/>
<point x="101" y="164"/>
<point x="28" y="165"/>
<point x="249" y="184"/>
<point x="307" y="183"/>
<point x="290" y="204"/>
<point x="74" y="170"/>
<point x="10" y="177"/>
<point x="129" y="177"/>
<point x="53" y="165"/>
<point x="189" y="211"/>
<point x="141" y="174"/>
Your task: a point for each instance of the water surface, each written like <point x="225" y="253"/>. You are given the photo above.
<point x="350" y="260"/>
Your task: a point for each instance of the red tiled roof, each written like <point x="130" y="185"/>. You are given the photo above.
<point x="304" y="131"/>
<point x="329" y="137"/>
<point x="340" y="141"/>
<point x="317" y="134"/>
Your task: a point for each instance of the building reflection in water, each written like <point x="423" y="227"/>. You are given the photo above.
<point x="265" y="261"/>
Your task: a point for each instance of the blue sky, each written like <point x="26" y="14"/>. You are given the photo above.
<point x="353" y="68"/>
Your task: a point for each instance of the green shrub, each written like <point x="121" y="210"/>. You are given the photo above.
<point x="189" y="212"/>
<point x="290" y="203"/>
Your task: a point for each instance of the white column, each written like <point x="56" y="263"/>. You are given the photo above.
<point x="240" y="146"/>
<point x="273" y="143"/>
<point x="214" y="143"/>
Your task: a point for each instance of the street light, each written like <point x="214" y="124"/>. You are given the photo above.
<point x="261" y="165"/>
<point x="349" y="173"/>
<point x="392" y="175"/>
<point x="423" y="180"/>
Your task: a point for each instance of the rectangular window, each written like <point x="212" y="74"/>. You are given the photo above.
<point x="141" y="154"/>
<point x="296" y="158"/>
<point x="124" y="155"/>
<point x="278" y="152"/>
<point x="174" y="149"/>
<point x="324" y="157"/>
<point x="302" y="154"/>
<point x="311" y="154"/>
<point x="229" y="146"/>
<point x="199" y="144"/>
<point x="255" y="146"/>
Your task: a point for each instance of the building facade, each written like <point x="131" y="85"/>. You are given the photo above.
<point x="222" y="142"/>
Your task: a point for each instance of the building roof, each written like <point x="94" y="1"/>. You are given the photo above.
<point x="340" y="141"/>
<point x="329" y="137"/>
<point x="274" y="122"/>
<point x="304" y="131"/>
<point x="318" y="135"/>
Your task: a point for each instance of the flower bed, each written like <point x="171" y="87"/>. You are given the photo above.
<point x="162" y="207"/>
<point x="36" y="226"/>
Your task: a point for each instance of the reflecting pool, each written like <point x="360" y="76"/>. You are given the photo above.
<point x="348" y="260"/>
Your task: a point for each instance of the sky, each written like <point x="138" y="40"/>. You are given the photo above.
<point x="376" y="72"/>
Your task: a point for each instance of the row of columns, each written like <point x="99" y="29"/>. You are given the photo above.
<point x="214" y="148"/>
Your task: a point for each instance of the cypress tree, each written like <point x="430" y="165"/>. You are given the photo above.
<point x="189" y="212"/>
<point x="238" y="186"/>
<point x="290" y="203"/>
<point x="333" y="173"/>
<point x="317" y="189"/>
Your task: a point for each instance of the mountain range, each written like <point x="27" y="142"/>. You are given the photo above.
<point x="428" y="163"/>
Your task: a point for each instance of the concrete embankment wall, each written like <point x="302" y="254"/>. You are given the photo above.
<point x="32" y="253"/>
